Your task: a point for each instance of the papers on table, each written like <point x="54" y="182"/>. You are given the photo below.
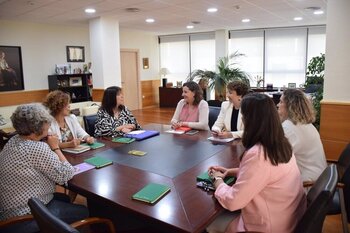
<point x="82" y="167"/>
<point x="216" y="139"/>
<point x="137" y="132"/>
<point x="175" y="131"/>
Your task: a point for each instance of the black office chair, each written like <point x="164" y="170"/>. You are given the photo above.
<point x="89" y="123"/>
<point x="213" y="115"/>
<point x="214" y="103"/>
<point x="318" y="200"/>
<point x="48" y="223"/>
<point x="23" y="224"/>
<point x="341" y="200"/>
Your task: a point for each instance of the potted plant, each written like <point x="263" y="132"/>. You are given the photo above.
<point x="227" y="72"/>
<point x="314" y="84"/>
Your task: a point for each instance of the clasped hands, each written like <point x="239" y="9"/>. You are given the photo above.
<point x="127" y="128"/>
<point x="176" y="125"/>
<point x="221" y="134"/>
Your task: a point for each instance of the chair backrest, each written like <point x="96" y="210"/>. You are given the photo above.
<point x="318" y="200"/>
<point x="89" y="123"/>
<point x="213" y="115"/>
<point x="344" y="161"/>
<point x="47" y="222"/>
<point x="214" y="103"/>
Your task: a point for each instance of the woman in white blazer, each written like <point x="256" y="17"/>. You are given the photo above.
<point x="66" y="125"/>
<point x="229" y="123"/>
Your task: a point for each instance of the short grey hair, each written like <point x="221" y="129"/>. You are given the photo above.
<point x="30" y="118"/>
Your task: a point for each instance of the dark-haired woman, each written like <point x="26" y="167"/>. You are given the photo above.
<point x="113" y="118"/>
<point x="192" y="111"/>
<point x="229" y="123"/>
<point x="268" y="190"/>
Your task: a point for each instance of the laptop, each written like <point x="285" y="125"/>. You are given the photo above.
<point x="141" y="134"/>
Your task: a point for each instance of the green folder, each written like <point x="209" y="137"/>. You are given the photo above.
<point x="98" y="162"/>
<point x="206" y="178"/>
<point x="123" y="140"/>
<point x="94" y="145"/>
<point x="151" y="193"/>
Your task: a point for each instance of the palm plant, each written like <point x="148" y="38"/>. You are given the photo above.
<point x="227" y="72"/>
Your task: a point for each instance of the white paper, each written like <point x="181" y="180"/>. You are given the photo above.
<point x="137" y="132"/>
<point x="216" y="139"/>
<point x="175" y="131"/>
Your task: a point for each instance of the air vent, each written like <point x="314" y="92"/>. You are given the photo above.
<point x="132" y="9"/>
<point x="313" y="8"/>
<point x="196" y="22"/>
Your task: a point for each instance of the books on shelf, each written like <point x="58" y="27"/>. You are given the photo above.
<point x="151" y="193"/>
<point x="77" y="150"/>
<point x="98" y="162"/>
<point x="180" y="130"/>
<point x="216" y="139"/>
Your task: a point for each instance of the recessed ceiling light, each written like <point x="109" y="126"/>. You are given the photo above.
<point x="245" y="20"/>
<point x="298" y="18"/>
<point x="212" y="10"/>
<point x="189" y="26"/>
<point x="90" y="10"/>
<point x="318" y="12"/>
<point x="149" y="20"/>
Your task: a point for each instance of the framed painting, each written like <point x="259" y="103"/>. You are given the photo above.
<point x="11" y="69"/>
<point x="75" y="54"/>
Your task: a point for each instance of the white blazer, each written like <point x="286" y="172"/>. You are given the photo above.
<point x="72" y="123"/>
<point x="224" y="120"/>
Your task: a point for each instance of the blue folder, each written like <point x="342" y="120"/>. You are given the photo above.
<point x="143" y="135"/>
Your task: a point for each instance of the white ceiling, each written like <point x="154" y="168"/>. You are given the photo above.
<point x="171" y="16"/>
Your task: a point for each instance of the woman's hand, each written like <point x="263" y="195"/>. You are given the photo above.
<point x="130" y="126"/>
<point x="126" y="130"/>
<point x="89" y="140"/>
<point x="224" y="135"/>
<point x="74" y="143"/>
<point x="217" y="171"/>
<point x="176" y="125"/>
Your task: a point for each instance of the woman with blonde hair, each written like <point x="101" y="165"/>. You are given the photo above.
<point x="297" y="115"/>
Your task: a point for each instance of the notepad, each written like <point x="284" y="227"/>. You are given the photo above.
<point x="94" y="145"/>
<point x="205" y="177"/>
<point x="98" y="162"/>
<point x="141" y="134"/>
<point x="123" y="140"/>
<point x="180" y="130"/>
<point x="77" y="150"/>
<point x="216" y="139"/>
<point x="151" y="193"/>
<point x="82" y="167"/>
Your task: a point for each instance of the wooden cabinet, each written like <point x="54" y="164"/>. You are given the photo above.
<point x="78" y="86"/>
<point x="169" y="96"/>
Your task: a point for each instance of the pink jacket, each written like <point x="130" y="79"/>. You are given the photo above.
<point x="271" y="198"/>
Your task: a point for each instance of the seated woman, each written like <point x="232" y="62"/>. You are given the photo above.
<point x="229" y="123"/>
<point x="65" y="125"/>
<point x="268" y="190"/>
<point x="113" y="118"/>
<point x="30" y="167"/>
<point x="297" y="114"/>
<point x="192" y="111"/>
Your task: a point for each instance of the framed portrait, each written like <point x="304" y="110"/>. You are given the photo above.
<point x="75" y="54"/>
<point x="75" y="81"/>
<point x="11" y="69"/>
<point x="292" y="85"/>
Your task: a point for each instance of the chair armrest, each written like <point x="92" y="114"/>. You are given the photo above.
<point x="308" y="184"/>
<point x="15" y="220"/>
<point x="94" y="220"/>
<point x="332" y="161"/>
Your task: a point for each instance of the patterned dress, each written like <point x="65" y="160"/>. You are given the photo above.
<point x="28" y="169"/>
<point x="106" y="124"/>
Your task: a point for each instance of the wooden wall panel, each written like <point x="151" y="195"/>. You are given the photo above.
<point x="149" y="93"/>
<point x="21" y="97"/>
<point x="97" y="95"/>
<point x="335" y="127"/>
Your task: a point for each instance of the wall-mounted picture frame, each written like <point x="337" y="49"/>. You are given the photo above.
<point x="75" y="81"/>
<point x="75" y="53"/>
<point x="11" y="69"/>
<point x="292" y="85"/>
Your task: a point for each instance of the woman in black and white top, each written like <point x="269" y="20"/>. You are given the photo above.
<point x="113" y="118"/>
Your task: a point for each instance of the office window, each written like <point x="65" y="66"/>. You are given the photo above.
<point x="316" y="42"/>
<point x="181" y="54"/>
<point x="251" y="44"/>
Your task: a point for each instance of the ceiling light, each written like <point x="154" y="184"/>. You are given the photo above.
<point x="212" y="10"/>
<point x="245" y="20"/>
<point x="318" y="12"/>
<point x="149" y="20"/>
<point x="189" y="26"/>
<point x="90" y="10"/>
<point x="298" y="18"/>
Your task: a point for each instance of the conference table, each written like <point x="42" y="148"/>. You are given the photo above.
<point x="171" y="159"/>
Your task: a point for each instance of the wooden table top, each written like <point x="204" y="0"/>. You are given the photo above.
<point x="173" y="160"/>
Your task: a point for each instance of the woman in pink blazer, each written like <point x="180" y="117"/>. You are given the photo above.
<point x="268" y="195"/>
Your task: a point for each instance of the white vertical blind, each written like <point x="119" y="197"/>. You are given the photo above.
<point x="251" y="44"/>
<point x="316" y="42"/>
<point x="285" y="56"/>
<point x="203" y="51"/>
<point x="175" y="56"/>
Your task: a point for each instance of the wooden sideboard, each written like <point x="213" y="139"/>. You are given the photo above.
<point x="169" y="96"/>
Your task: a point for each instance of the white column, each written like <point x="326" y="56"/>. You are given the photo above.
<point x="336" y="80"/>
<point x="105" y="52"/>
<point x="221" y="44"/>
